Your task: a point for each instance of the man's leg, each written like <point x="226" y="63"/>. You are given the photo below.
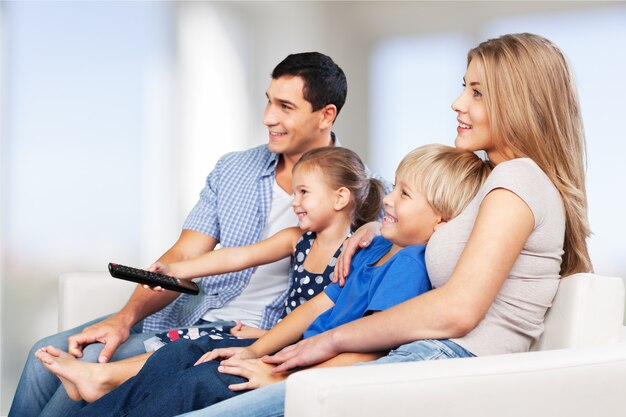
<point x="40" y="390"/>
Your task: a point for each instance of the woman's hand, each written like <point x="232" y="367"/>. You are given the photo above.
<point x="305" y="353"/>
<point x="258" y="373"/>
<point x="226" y="353"/>
<point x="359" y="239"/>
<point x="246" y="332"/>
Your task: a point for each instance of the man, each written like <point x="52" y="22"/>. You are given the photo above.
<point x="246" y="198"/>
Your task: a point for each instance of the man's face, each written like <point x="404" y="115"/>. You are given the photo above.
<point x="293" y="125"/>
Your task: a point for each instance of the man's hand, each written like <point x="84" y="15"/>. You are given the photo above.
<point x="258" y="373"/>
<point x="359" y="239"/>
<point x="305" y="353"/>
<point x="112" y="332"/>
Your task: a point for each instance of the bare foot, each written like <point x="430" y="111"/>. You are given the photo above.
<point x="43" y="353"/>
<point x="81" y="380"/>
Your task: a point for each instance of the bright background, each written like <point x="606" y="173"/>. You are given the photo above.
<point x="113" y="113"/>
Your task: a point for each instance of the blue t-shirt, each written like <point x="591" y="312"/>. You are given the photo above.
<point x="374" y="288"/>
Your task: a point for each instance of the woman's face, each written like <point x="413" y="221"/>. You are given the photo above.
<point x="474" y="129"/>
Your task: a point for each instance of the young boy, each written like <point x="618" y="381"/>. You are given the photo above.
<point x="433" y="184"/>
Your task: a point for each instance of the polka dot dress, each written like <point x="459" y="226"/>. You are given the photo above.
<point x="304" y="285"/>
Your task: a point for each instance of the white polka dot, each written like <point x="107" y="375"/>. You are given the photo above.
<point x="300" y="268"/>
<point x="299" y="290"/>
<point x="302" y="300"/>
<point x="300" y="257"/>
<point x="319" y="279"/>
<point x="305" y="280"/>
<point x="332" y="262"/>
<point x="293" y="303"/>
<point x="311" y="292"/>
<point x="308" y="250"/>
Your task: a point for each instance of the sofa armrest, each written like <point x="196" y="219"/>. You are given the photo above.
<point x="84" y="296"/>
<point x="568" y="382"/>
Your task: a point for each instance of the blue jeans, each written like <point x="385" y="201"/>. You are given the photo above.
<point x="39" y="392"/>
<point x="169" y="384"/>
<point x="270" y="401"/>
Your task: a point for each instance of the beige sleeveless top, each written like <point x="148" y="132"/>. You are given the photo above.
<point x="515" y="318"/>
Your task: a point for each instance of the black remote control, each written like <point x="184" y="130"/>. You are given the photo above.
<point x="153" y="279"/>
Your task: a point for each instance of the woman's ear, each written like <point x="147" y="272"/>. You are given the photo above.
<point x="342" y="198"/>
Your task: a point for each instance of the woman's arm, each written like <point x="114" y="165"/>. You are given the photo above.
<point x="502" y="227"/>
<point x="231" y="259"/>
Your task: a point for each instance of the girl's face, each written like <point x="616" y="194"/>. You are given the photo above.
<point x="474" y="129"/>
<point x="409" y="217"/>
<point x="314" y="200"/>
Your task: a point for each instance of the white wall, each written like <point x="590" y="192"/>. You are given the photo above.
<point x="115" y="111"/>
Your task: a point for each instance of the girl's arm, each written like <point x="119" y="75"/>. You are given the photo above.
<point x="231" y="259"/>
<point x="502" y="227"/>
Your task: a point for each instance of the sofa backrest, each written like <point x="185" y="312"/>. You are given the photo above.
<point x="588" y="310"/>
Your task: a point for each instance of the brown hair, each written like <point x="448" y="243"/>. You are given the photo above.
<point x="533" y="108"/>
<point x="448" y="177"/>
<point x="343" y="168"/>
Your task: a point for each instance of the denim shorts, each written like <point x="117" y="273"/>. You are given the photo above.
<point x="425" y="350"/>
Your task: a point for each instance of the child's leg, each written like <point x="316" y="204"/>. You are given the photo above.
<point x="161" y="370"/>
<point x="85" y="380"/>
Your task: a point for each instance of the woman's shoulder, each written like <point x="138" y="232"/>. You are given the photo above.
<point x="528" y="181"/>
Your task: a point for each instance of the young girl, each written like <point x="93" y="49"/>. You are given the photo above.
<point x="332" y="194"/>
<point x="495" y="268"/>
<point x="433" y="184"/>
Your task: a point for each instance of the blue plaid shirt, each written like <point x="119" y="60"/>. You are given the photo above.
<point x="233" y="208"/>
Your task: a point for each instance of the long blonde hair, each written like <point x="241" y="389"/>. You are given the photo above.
<point x="533" y="108"/>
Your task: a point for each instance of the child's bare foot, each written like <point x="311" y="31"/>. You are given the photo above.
<point x="43" y="355"/>
<point x="81" y="380"/>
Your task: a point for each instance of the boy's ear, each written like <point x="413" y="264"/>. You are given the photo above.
<point x="441" y="222"/>
<point x="342" y="198"/>
<point x="327" y="116"/>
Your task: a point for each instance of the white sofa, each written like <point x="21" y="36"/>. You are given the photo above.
<point x="578" y="367"/>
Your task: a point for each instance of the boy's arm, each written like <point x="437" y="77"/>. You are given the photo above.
<point x="231" y="259"/>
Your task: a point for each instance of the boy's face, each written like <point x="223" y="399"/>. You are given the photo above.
<point x="409" y="217"/>
<point x="294" y="127"/>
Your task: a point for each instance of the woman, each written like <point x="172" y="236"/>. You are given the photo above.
<point x="495" y="268"/>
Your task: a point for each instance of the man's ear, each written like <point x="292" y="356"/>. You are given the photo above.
<point x="327" y="116"/>
<point x="342" y="198"/>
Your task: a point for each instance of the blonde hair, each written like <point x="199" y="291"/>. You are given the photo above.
<point x="448" y="177"/>
<point x="342" y="167"/>
<point x="533" y="109"/>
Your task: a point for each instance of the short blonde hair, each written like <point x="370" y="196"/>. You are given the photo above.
<point x="448" y="177"/>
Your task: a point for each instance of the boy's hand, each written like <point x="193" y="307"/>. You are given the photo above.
<point x="359" y="239"/>
<point x="226" y="353"/>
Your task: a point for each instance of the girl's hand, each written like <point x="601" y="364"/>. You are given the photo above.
<point x="258" y="373"/>
<point x="246" y="332"/>
<point x="359" y="239"/>
<point x="305" y="353"/>
<point x="161" y="268"/>
<point x="226" y="353"/>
